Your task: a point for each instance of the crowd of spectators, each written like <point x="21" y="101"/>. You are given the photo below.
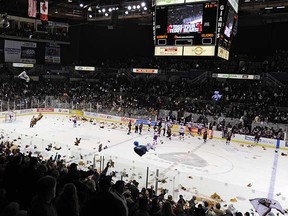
<point x="238" y="63"/>
<point x="246" y="100"/>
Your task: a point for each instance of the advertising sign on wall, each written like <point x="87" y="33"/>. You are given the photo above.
<point x="20" y="51"/>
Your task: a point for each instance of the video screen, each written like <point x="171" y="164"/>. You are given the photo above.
<point x="185" y="29"/>
<point x="185" y="19"/>
<point x="228" y="28"/>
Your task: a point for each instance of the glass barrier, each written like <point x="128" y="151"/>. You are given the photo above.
<point x="90" y="107"/>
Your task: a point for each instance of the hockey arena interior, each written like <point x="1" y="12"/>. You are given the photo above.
<point x="151" y="108"/>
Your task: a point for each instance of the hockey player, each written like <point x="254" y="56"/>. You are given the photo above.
<point x="164" y="127"/>
<point x="181" y="132"/>
<point x="129" y="127"/>
<point x="205" y="135"/>
<point x="74" y="120"/>
<point x="140" y="127"/>
<point x="136" y="127"/>
<point x="149" y="124"/>
<point x="159" y="127"/>
<point x="155" y="136"/>
<point x="257" y="137"/>
<point x="228" y="137"/>
<point x="199" y="129"/>
<point x="169" y="130"/>
<point x="10" y="115"/>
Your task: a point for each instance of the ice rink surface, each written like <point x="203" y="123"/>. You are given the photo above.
<point x="236" y="171"/>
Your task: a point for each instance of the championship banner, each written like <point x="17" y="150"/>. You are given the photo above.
<point x="18" y="51"/>
<point x="44" y="10"/>
<point x="52" y="53"/>
<point x="32" y="8"/>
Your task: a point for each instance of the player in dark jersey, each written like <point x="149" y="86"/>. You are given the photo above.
<point x="228" y="137"/>
<point x="205" y="135"/>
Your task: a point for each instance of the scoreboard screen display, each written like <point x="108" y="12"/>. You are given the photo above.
<point x="185" y="29"/>
<point x="228" y="31"/>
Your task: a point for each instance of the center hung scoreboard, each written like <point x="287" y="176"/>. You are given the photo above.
<point x="193" y="27"/>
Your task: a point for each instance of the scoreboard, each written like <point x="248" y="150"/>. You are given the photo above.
<point x="191" y="28"/>
<point x="228" y="22"/>
<point x="186" y="29"/>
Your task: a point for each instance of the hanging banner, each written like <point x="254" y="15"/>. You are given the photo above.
<point x="32" y="8"/>
<point x="44" y="10"/>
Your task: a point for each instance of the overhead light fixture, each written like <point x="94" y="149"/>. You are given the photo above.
<point x="268" y="8"/>
<point x="90" y="8"/>
<point x="280" y="7"/>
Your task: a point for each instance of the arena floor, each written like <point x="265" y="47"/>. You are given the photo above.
<point x="185" y="167"/>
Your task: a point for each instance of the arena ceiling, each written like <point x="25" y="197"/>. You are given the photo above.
<point x="71" y="10"/>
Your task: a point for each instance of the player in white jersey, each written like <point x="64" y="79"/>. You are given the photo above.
<point x="10" y="115"/>
<point x="181" y="132"/>
<point x="155" y="137"/>
<point x="149" y="124"/>
<point x="164" y="127"/>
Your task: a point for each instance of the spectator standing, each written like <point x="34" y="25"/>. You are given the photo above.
<point x="67" y="203"/>
<point x="42" y="203"/>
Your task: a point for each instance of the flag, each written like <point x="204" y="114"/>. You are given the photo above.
<point x="44" y="10"/>
<point x="32" y="8"/>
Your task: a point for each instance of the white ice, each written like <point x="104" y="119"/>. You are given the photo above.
<point x="184" y="167"/>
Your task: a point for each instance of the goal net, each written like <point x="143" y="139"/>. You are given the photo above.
<point x="10" y="117"/>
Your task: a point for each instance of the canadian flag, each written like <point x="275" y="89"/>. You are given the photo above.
<point x="44" y="10"/>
